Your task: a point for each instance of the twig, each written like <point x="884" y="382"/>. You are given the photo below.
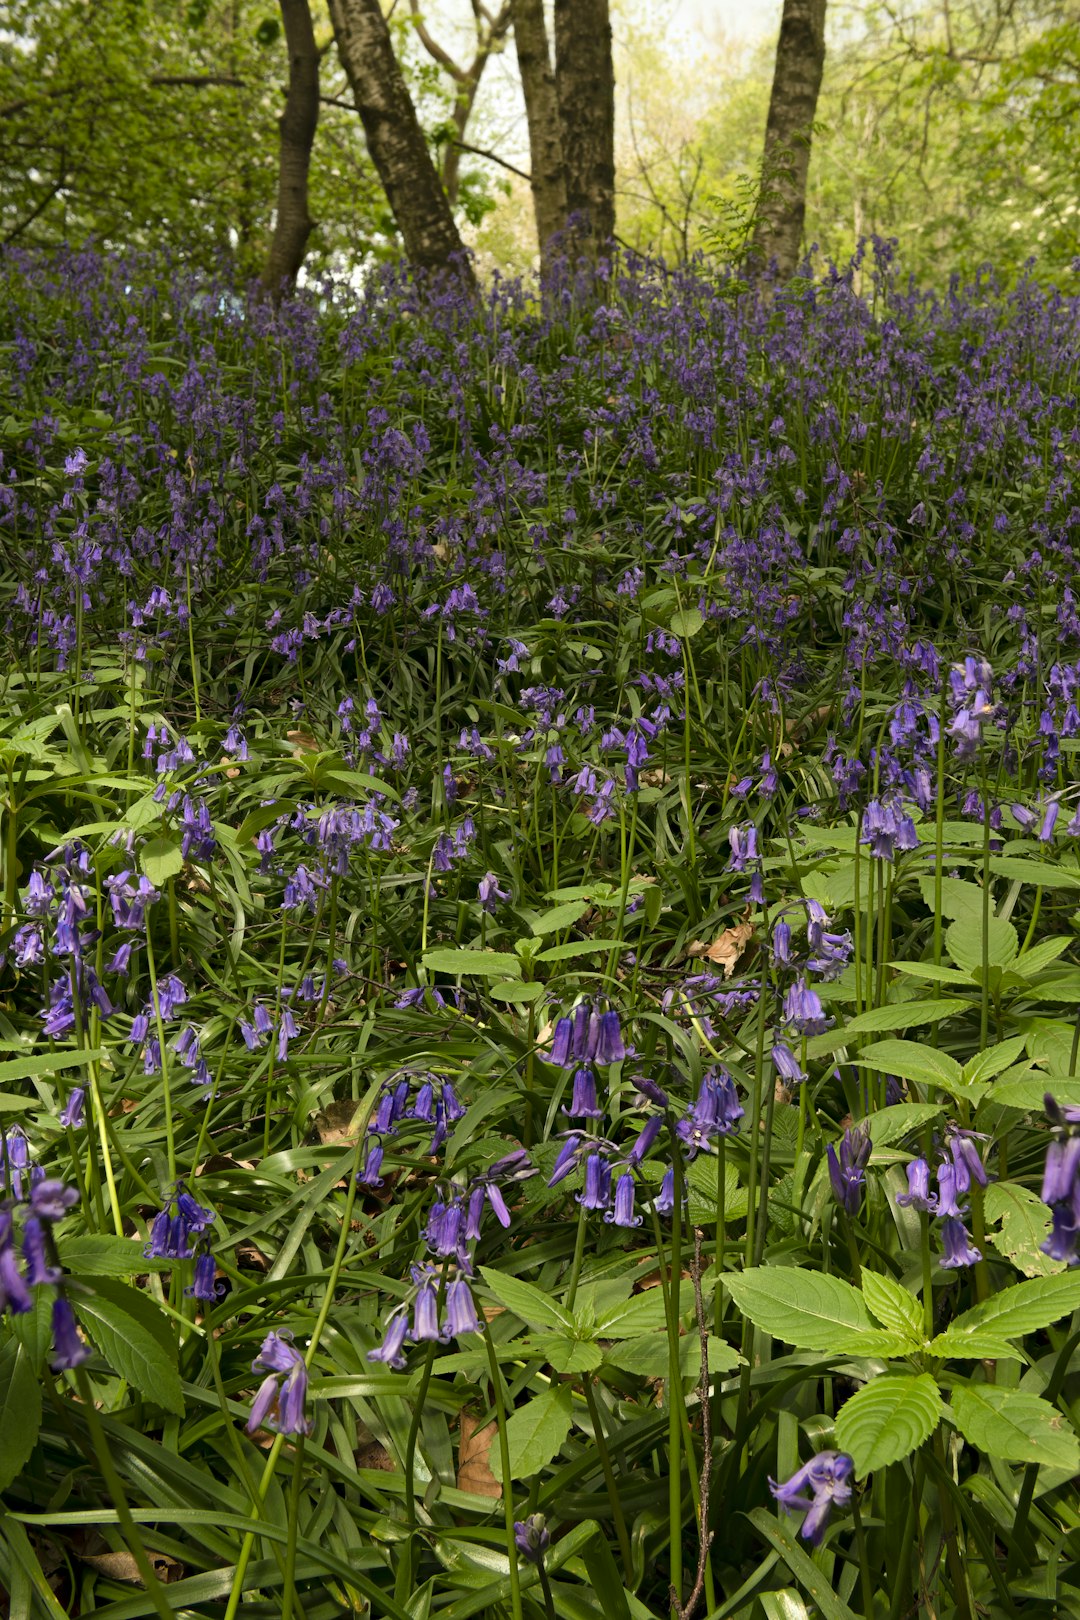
<point x="705" y="1536"/>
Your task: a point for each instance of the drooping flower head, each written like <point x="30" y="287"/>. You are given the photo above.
<point x="279" y="1402"/>
<point x="815" y="1489"/>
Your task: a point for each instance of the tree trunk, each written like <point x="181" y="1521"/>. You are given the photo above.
<point x="394" y="138"/>
<point x="296" y="133"/>
<point x="800" y="61"/>
<point x="542" y="112"/>
<point x="585" y="85"/>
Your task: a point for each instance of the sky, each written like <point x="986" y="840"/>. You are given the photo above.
<point x="748" y="20"/>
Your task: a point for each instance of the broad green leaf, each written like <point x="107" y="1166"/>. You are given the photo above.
<point x="974" y="1346"/>
<point x="565" y="1355"/>
<point x="100" y="1255"/>
<point x="888" y="1125"/>
<point x="519" y="994"/>
<point x="1024" y="869"/>
<point x="1013" y="1312"/>
<point x="1040" y="956"/>
<point x="985" y="1065"/>
<point x="686" y="623"/>
<point x="20" y="1409"/>
<point x="804" y="1308"/>
<point x="964" y="942"/>
<point x="893" y="1306"/>
<point x="1025" y="1223"/>
<point x="647" y="1356"/>
<point x="28" y="1068"/>
<point x="535" y="1433"/>
<point x="161" y="859"/>
<point x="898" y="1015"/>
<point x="642" y="1313"/>
<point x="783" y="1605"/>
<point x="353" y="782"/>
<point x="115" y="1317"/>
<point x="576" y="947"/>
<point x="935" y="975"/>
<point x="564" y="916"/>
<point x="779" y="1534"/>
<point x="524" y="1299"/>
<point x="887" y="1419"/>
<point x="958" y="899"/>
<point x="909" y="1060"/>
<point x="1014" y="1426"/>
<point x="487" y="964"/>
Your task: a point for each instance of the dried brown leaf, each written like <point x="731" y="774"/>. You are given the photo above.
<point x="474" y="1474"/>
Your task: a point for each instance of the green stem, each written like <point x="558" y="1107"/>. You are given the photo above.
<point x="170" y="1139"/>
<point x="289" y="1594"/>
<point x="507" y="1477"/>
<point x="864" y="1564"/>
<point x="610" y="1481"/>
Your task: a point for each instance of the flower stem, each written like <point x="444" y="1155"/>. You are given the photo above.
<point x="507" y="1481"/>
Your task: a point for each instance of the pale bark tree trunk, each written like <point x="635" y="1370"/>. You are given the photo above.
<point x="546" y="177"/>
<point x="491" y="31"/>
<point x="296" y="133"/>
<point x="394" y="138"/>
<point x="585" y="85"/>
<point x="800" y="62"/>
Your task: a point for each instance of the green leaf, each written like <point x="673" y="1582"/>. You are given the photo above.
<point x="888" y="1419"/>
<point x="1023" y="869"/>
<point x="686" y="623"/>
<point x="118" y="1319"/>
<point x="1040" y="956"/>
<point x="888" y="1125"/>
<point x="1025" y="1223"/>
<point x="161" y="859"/>
<point x="564" y="916"/>
<point x="28" y="1068"/>
<point x="1029" y="1094"/>
<point x="99" y="1255"/>
<point x="647" y="1356"/>
<point x="818" y="1586"/>
<point x="958" y="899"/>
<point x="564" y="1355"/>
<point x="1016" y="1311"/>
<point x="488" y="964"/>
<point x="576" y="947"/>
<point x="964" y="942"/>
<point x="909" y="1060"/>
<point x="985" y="1065"/>
<point x="807" y="1309"/>
<point x="1014" y="1426"/>
<point x="643" y="1313"/>
<point x="519" y="994"/>
<point x="20" y="1410"/>
<point x="524" y="1299"/>
<point x="535" y="1433"/>
<point x="893" y="1306"/>
<point x="898" y="1015"/>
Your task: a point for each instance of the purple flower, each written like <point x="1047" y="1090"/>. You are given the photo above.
<point x="68" y="1349"/>
<point x="531" y="1537"/>
<point x="583" y="1103"/>
<point x="623" y="1213"/>
<point x="489" y="894"/>
<point x="646" y="1138"/>
<point x="35" y="1254"/>
<point x="171" y="1234"/>
<point x="847" y="1172"/>
<point x="461" y="1314"/>
<point x="958" y="1251"/>
<point x="425" y="1307"/>
<point x="566" y="1159"/>
<point x="967" y="1164"/>
<point x="390" y="1351"/>
<point x="887" y="830"/>
<point x="597" y="1192"/>
<point x="815" y="1489"/>
<point x="918" y="1194"/>
<point x="947" y="1205"/>
<point x="786" y="1064"/>
<point x="279" y="1402"/>
<point x="803" y="1010"/>
<point x="716" y="1112"/>
<point x="205" y="1285"/>
<point x="51" y="1200"/>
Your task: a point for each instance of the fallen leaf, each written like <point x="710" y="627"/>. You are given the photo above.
<point x="303" y="742"/>
<point x="374" y="1455"/>
<point x="121" y="1566"/>
<point x="339" y="1122"/>
<point x="474" y="1473"/>
<point x="726" y="950"/>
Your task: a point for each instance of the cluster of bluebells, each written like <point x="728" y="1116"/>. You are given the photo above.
<point x="958" y="1164"/>
<point x="847" y="1169"/>
<point x="972" y="702"/>
<point x="281" y="1399"/>
<point x="441" y="1304"/>
<point x="32" y="1205"/>
<point x="1061" y="1182"/>
<point x="824" y="958"/>
<point x="409" y="1097"/>
<point x="179" y="1232"/>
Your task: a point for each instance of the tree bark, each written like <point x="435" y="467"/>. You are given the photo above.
<point x="800" y="62"/>
<point x="296" y="133"/>
<point x="394" y="138"/>
<point x="546" y="178"/>
<point x="491" y="31"/>
<point x="585" y="86"/>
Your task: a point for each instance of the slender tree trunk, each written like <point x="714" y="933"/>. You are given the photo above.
<point x="394" y="137"/>
<point x="542" y="112"/>
<point x="296" y="133"/>
<point x="585" y="85"/>
<point x="800" y="61"/>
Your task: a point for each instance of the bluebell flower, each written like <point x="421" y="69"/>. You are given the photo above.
<point x="567" y="1158"/>
<point x="531" y="1537"/>
<point x="68" y="1349"/>
<point x="958" y="1250"/>
<point x="664" y="1202"/>
<point x="815" y="1489"/>
<point x="489" y="894"/>
<point x="803" y="1010"/>
<point x="597" y="1190"/>
<point x="786" y="1064"/>
<point x="947" y="1204"/>
<point x="461" y="1314"/>
<point x="280" y="1400"/>
<point x="966" y="1160"/>
<point x="716" y="1112"/>
<point x="369" y="1176"/>
<point x="35" y="1254"/>
<point x="623" y="1213"/>
<point x="205" y="1285"/>
<point x="425" y="1326"/>
<point x="171" y="1233"/>
<point x="51" y="1199"/>
<point x="887" y="830"/>
<point x="918" y="1194"/>
<point x="583" y="1103"/>
<point x="647" y="1136"/>
<point x="15" y="1295"/>
<point x="743" y="842"/>
<point x="847" y="1172"/>
<point x="390" y="1351"/>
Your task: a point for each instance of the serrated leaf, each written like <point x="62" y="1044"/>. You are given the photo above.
<point x="643" y="1313"/>
<point x="564" y="1355"/>
<point x="524" y="1299"/>
<point x="647" y="1356"/>
<point x="804" y="1308"/>
<point x="519" y="994"/>
<point x="1014" y="1426"/>
<point x="1040" y="956"/>
<point x="888" y="1125"/>
<point x="535" y="1433"/>
<point x="564" y="916"/>
<point x="686" y="623"/>
<point x="958" y="899"/>
<point x="1029" y="1094"/>
<point x="115" y="1318"/>
<point x="100" y="1255"/>
<point x="1025" y="1223"/>
<point x="20" y="1409"/>
<point x="909" y="1060"/>
<point x="964" y="942"/>
<point x="887" y="1419"/>
<point x="982" y="1346"/>
<point x="1025" y="869"/>
<point x="898" y="1015"/>
<point x="1025" y="1308"/>
<point x="576" y="947"/>
<point x="161" y="859"/>
<point x="893" y="1306"/>
<point x="985" y="1065"/>
<point x="485" y="964"/>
